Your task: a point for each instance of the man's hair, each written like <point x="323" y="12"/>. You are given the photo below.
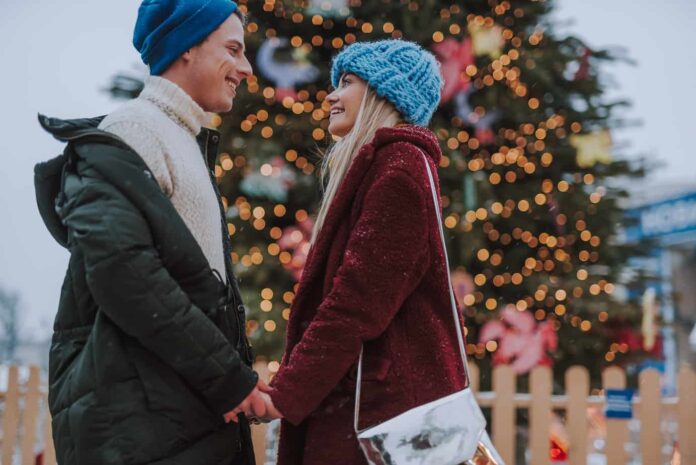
<point x="242" y="16"/>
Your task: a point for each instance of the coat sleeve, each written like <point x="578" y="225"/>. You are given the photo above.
<point x="384" y="260"/>
<point x="132" y="288"/>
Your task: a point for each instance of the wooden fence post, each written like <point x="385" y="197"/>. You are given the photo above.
<point x="540" y="415"/>
<point x="504" y="413"/>
<point x="577" y="385"/>
<point x="474" y="377"/>
<point x="617" y="429"/>
<point x="649" y="413"/>
<point x="29" y="416"/>
<point x="686" y="414"/>
<point x="49" y="457"/>
<point x="10" y="418"/>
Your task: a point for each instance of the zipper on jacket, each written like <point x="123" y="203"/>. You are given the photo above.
<point x="242" y="342"/>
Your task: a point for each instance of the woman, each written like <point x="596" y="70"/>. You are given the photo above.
<point x="375" y="275"/>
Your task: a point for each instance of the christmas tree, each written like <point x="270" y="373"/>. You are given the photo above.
<point x="530" y="204"/>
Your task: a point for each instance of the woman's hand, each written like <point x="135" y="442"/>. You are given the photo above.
<point x="254" y="404"/>
<point x="271" y="412"/>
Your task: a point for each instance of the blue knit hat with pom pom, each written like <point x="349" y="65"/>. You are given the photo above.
<point x="400" y="71"/>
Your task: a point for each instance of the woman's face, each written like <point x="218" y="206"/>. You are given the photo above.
<point x="345" y="103"/>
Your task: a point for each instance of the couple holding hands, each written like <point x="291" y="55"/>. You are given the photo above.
<point x="149" y="362"/>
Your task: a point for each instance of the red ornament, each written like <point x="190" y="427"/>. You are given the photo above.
<point x="523" y="344"/>
<point x="558" y="452"/>
<point x="628" y="336"/>
<point x="454" y="58"/>
<point x="584" y="70"/>
<point x="555" y="212"/>
<point x="463" y="285"/>
<point x="295" y="240"/>
<point x="485" y="135"/>
<point x="287" y="75"/>
<point x="282" y="93"/>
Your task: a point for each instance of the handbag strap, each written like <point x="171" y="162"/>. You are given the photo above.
<point x="453" y="301"/>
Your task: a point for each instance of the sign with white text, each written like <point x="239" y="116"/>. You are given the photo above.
<point x="619" y="403"/>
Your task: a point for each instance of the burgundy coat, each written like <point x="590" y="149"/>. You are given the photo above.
<point x="376" y="276"/>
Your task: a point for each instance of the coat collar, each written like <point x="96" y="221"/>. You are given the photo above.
<point x="68" y="130"/>
<point x="421" y="137"/>
<point x="175" y="103"/>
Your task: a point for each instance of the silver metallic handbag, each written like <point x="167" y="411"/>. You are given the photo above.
<point x="447" y="431"/>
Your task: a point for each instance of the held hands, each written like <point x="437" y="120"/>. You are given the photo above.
<point x="257" y="406"/>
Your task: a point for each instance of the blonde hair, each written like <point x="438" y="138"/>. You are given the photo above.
<point x="375" y="112"/>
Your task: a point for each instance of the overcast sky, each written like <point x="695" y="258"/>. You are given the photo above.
<point x="56" y="56"/>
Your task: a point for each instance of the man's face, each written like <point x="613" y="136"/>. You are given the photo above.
<point x="217" y="66"/>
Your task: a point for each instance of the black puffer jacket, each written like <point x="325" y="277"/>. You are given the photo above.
<point x="148" y="349"/>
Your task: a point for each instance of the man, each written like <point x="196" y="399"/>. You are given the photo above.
<point x="149" y="362"/>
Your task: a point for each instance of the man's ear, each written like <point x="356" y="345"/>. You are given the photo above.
<point x="187" y="56"/>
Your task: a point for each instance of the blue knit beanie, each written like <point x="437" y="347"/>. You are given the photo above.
<point x="166" y="29"/>
<point x="400" y="71"/>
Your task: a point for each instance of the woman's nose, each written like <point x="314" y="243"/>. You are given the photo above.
<point x="332" y="97"/>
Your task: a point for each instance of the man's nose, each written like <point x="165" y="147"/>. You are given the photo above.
<point x="245" y="70"/>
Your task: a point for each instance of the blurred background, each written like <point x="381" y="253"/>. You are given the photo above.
<point x="568" y="183"/>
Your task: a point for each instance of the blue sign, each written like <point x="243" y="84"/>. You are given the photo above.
<point x="619" y="403"/>
<point x="658" y="365"/>
<point x="669" y="217"/>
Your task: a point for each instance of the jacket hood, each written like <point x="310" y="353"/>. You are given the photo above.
<point x="66" y="130"/>
<point x="48" y="175"/>
<point x="419" y="136"/>
<point x="105" y="152"/>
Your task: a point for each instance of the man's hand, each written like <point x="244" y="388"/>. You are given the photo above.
<point x="255" y="403"/>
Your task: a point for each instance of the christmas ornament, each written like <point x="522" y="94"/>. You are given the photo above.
<point x="484" y="134"/>
<point x="555" y="212"/>
<point x="273" y="181"/>
<point x="469" y="197"/>
<point x="463" y="285"/>
<point x="487" y="40"/>
<point x="623" y="333"/>
<point x="285" y="74"/>
<point x="583" y="65"/>
<point x="522" y="343"/>
<point x="676" y="454"/>
<point x="454" y="57"/>
<point x="295" y="240"/>
<point x="329" y="8"/>
<point x="558" y="452"/>
<point x="592" y="148"/>
<point x="560" y="442"/>
<point x="483" y="125"/>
